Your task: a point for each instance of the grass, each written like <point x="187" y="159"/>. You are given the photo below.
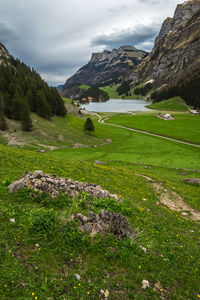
<point x="173" y="104"/>
<point x="172" y="242"/>
<point x="184" y="127"/>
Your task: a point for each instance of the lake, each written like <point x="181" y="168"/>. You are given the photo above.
<point x="117" y="105"/>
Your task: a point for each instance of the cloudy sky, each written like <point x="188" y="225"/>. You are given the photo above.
<point x="57" y="37"/>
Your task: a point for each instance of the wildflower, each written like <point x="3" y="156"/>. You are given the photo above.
<point x="9" y="251"/>
<point x="79" y="284"/>
<point x="88" y="293"/>
<point x="5" y="285"/>
<point x="36" y="298"/>
<point x="61" y="279"/>
<point x="74" y="287"/>
<point x="33" y="294"/>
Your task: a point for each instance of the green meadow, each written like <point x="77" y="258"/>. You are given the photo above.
<point x="46" y="271"/>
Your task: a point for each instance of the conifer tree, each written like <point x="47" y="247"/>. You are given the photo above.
<point x="26" y="122"/>
<point x="89" y="126"/>
<point x="3" y="125"/>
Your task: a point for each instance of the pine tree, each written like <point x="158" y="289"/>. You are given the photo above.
<point x="89" y="126"/>
<point x="3" y="125"/>
<point x="26" y="122"/>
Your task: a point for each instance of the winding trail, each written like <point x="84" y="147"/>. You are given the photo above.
<point x="172" y="200"/>
<point x="102" y="121"/>
<point x="167" y="197"/>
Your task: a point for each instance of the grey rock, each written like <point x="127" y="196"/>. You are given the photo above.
<point x="105" y="222"/>
<point x="97" y="162"/>
<point x="145" y="284"/>
<point x="77" y="276"/>
<point x="194" y="181"/>
<point x="16" y="186"/>
<point x="12" y="220"/>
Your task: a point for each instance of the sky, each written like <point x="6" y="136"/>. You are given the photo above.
<point x="57" y="37"/>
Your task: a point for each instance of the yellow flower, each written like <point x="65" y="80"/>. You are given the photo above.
<point x="88" y="293"/>
<point x="74" y="287"/>
<point x="79" y="284"/>
<point x="33" y="294"/>
<point x="5" y="285"/>
<point x="36" y="298"/>
<point x="9" y="251"/>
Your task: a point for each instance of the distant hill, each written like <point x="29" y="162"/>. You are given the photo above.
<point x="22" y="90"/>
<point x="106" y="68"/>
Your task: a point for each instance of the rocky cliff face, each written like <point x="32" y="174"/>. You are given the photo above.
<point x="106" y="67"/>
<point x="4" y="54"/>
<point x="176" y="53"/>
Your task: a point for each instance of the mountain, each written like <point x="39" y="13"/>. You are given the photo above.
<point x="175" y="58"/>
<point x="22" y="91"/>
<point x="106" y="68"/>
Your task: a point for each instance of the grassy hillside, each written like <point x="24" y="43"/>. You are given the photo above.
<point x="173" y="104"/>
<point x="38" y="263"/>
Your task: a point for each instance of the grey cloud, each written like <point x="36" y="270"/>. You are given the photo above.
<point x="6" y="33"/>
<point x="140" y="35"/>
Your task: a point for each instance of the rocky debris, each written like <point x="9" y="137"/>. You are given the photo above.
<point x="195" y="181"/>
<point x="77" y="145"/>
<point x="12" y="220"/>
<point x="165" y="116"/>
<point x="16" y="186"/>
<point x="104" y="294"/>
<point x="108" y="141"/>
<point x="97" y="162"/>
<point x="145" y="284"/>
<point x="105" y="222"/>
<point x="77" y="276"/>
<point x="194" y="112"/>
<point x="39" y="181"/>
<point x="41" y="151"/>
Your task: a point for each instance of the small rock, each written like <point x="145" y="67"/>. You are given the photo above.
<point x="102" y="291"/>
<point x="106" y="294"/>
<point x="37" y="245"/>
<point x="97" y="162"/>
<point x="145" y="284"/>
<point x="16" y="186"/>
<point x="184" y="214"/>
<point x="144" y="249"/>
<point x="12" y="220"/>
<point x="157" y="286"/>
<point x="77" y="276"/>
<point x="109" y="141"/>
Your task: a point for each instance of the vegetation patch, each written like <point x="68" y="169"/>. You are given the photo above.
<point x="173" y="104"/>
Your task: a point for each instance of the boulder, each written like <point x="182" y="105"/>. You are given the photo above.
<point x="105" y="222"/>
<point x="193" y="181"/>
<point x="16" y="186"/>
<point x="194" y="112"/>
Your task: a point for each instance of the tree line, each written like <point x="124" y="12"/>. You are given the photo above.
<point x="22" y="91"/>
<point x="189" y="90"/>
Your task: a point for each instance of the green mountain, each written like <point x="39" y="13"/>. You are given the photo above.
<point x="22" y="90"/>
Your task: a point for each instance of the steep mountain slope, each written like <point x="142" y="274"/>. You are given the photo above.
<point x="176" y="53"/>
<point x="107" y="67"/>
<point x="22" y="90"/>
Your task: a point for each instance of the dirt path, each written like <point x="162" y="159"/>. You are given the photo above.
<point x="144" y="132"/>
<point x="172" y="200"/>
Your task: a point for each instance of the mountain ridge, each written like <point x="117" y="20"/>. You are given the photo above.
<point x="106" y="67"/>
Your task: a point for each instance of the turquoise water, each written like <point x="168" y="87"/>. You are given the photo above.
<point x="117" y="105"/>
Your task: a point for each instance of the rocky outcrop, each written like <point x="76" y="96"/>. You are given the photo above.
<point x="106" y="67"/>
<point x="4" y="54"/>
<point x="192" y="181"/>
<point x="105" y="222"/>
<point x="54" y="185"/>
<point x="176" y="52"/>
